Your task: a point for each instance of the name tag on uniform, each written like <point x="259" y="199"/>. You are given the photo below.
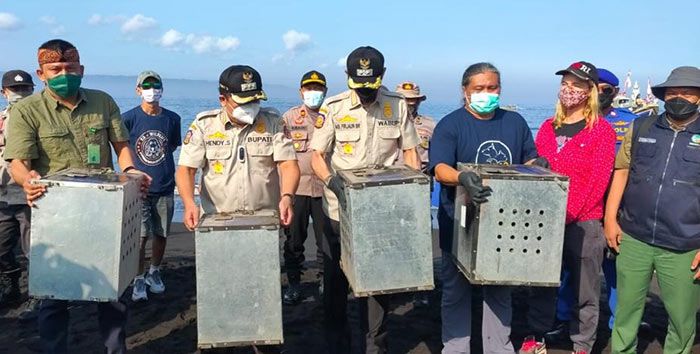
<point x="647" y="140"/>
<point x="93" y="154"/>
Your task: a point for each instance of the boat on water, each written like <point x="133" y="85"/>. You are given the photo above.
<point x="633" y="101"/>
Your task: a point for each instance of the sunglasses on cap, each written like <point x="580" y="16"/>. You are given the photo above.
<point x="151" y="85"/>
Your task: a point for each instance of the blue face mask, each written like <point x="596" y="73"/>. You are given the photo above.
<point x="484" y="102"/>
<point x="313" y="99"/>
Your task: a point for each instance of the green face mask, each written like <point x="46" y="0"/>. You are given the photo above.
<point x="66" y="85"/>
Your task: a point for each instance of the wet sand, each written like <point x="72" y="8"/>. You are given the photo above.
<point x="167" y="322"/>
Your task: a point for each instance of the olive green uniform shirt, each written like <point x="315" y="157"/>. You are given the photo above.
<point x="54" y="137"/>
<point x="356" y="136"/>
<point x="624" y="155"/>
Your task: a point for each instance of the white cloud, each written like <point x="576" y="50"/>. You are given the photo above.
<point x="171" y="38"/>
<point x="296" y="41"/>
<point x="97" y="19"/>
<point x="174" y="40"/>
<point x="56" y="28"/>
<point x="48" y="20"/>
<point x="138" y="23"/>
<point x="342" y="62"/>
<point x="9" y="22"/>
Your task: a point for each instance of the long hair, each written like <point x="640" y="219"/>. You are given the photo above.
<point x="590" y="111"/>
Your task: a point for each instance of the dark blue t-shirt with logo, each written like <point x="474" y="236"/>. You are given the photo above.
<point x="461" y="137"/>
<point x="154" y="139"/>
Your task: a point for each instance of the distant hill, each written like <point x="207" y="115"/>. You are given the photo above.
<point x="124" y="86"/>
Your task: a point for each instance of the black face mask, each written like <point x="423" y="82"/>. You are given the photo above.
<point x="366" y="95"/>
<point x="605" y="99"/>
<point x="680" y="109"/>
<point x="413" y="110"/>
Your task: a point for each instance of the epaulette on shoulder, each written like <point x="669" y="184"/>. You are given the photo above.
<point x="392" y="94"/>
<point x="208" y="114"/>
<point x="336" y="98"/>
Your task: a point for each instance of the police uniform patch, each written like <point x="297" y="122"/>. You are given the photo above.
<point x="217" y="167"/>
<point x="387" y="110"/>
<point x="424" y="142"/>
<point x="260" y="127"/>
<point x="188" y="137"/>
<point x="348" y="148"/>
<point x="298" y="136"/>
<point x="319" y="121"/>
<point x="217" y="136"/>
<point x="302" y="113"/>
<point x="297" y="146"/>
<point x="347" y="119"/>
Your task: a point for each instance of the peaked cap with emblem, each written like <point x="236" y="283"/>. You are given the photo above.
<point x="16" y="78"/>
<point x="313" y="76"/>
<point x="365" y="67"/>
<point x="243" y="83"/>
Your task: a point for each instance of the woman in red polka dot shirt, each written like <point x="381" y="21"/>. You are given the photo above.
<point x="579" y="143"/>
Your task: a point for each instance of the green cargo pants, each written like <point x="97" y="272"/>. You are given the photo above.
<point x="679" y="293"/>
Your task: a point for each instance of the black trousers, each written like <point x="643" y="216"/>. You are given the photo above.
<point x="53" y="326"/>
<point x="14" y="226"/>
<point x="304" y="206"/>
<point x="373" y="309"/>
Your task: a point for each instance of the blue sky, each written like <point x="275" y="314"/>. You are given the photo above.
<point x="430" y="42"/>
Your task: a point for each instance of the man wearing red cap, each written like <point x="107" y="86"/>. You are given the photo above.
<point x="68" y="126"/>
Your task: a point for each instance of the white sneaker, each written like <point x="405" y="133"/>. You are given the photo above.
<point x="139" y="292"/>
<point x="154" y="282"/>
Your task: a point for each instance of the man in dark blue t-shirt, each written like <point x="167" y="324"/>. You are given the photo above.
<point x="479" y="133"/>
<point x="154" y="134"/>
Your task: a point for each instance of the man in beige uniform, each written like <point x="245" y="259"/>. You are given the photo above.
<point x="239" y="149"/>
<point x="300" y="121"/>
<point x="424" y="124"/>
<point x="365" y="126"/>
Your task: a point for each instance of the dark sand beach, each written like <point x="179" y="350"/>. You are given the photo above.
<point x="167" y="322"/>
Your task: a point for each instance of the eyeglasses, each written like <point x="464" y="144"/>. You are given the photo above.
<point x="608" y="90"/>
<point x="151" y="85"/>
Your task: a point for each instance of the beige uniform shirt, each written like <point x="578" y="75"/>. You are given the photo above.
<point x="424" y="127"/>
<point x="10" y="192"/>
<point x="239" y="164"/>
<point x="300" y="123"/>
<point x="359" y="137"/>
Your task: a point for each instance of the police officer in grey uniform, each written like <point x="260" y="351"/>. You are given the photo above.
<point x="367" y="125"/>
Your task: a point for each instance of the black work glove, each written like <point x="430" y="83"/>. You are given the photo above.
<point x="542" y="162"/>
<point x="478" y="193"/>
<point x="335" y="184"/>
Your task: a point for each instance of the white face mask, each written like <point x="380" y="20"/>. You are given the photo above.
<point x="152" y="95"/>
<point x="14" y="97"/>
<point x="246" y="113"/>
<point x="313" y="99"/>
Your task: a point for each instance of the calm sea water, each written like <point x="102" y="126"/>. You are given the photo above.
<point x="188" y="109"/>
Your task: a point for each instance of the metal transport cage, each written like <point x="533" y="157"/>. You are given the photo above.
<point x="238" y="279"/>
<point x="386" y="242"/>
<point x="517" y="237"/>
<point x="85" y="235"/>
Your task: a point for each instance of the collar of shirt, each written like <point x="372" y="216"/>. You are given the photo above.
<point x="46" y="95"/>
<point x="693" y="127"/>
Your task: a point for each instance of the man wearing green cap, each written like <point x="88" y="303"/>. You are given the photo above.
<point x="154" y="134"/>
<point x="68" y="126"/>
